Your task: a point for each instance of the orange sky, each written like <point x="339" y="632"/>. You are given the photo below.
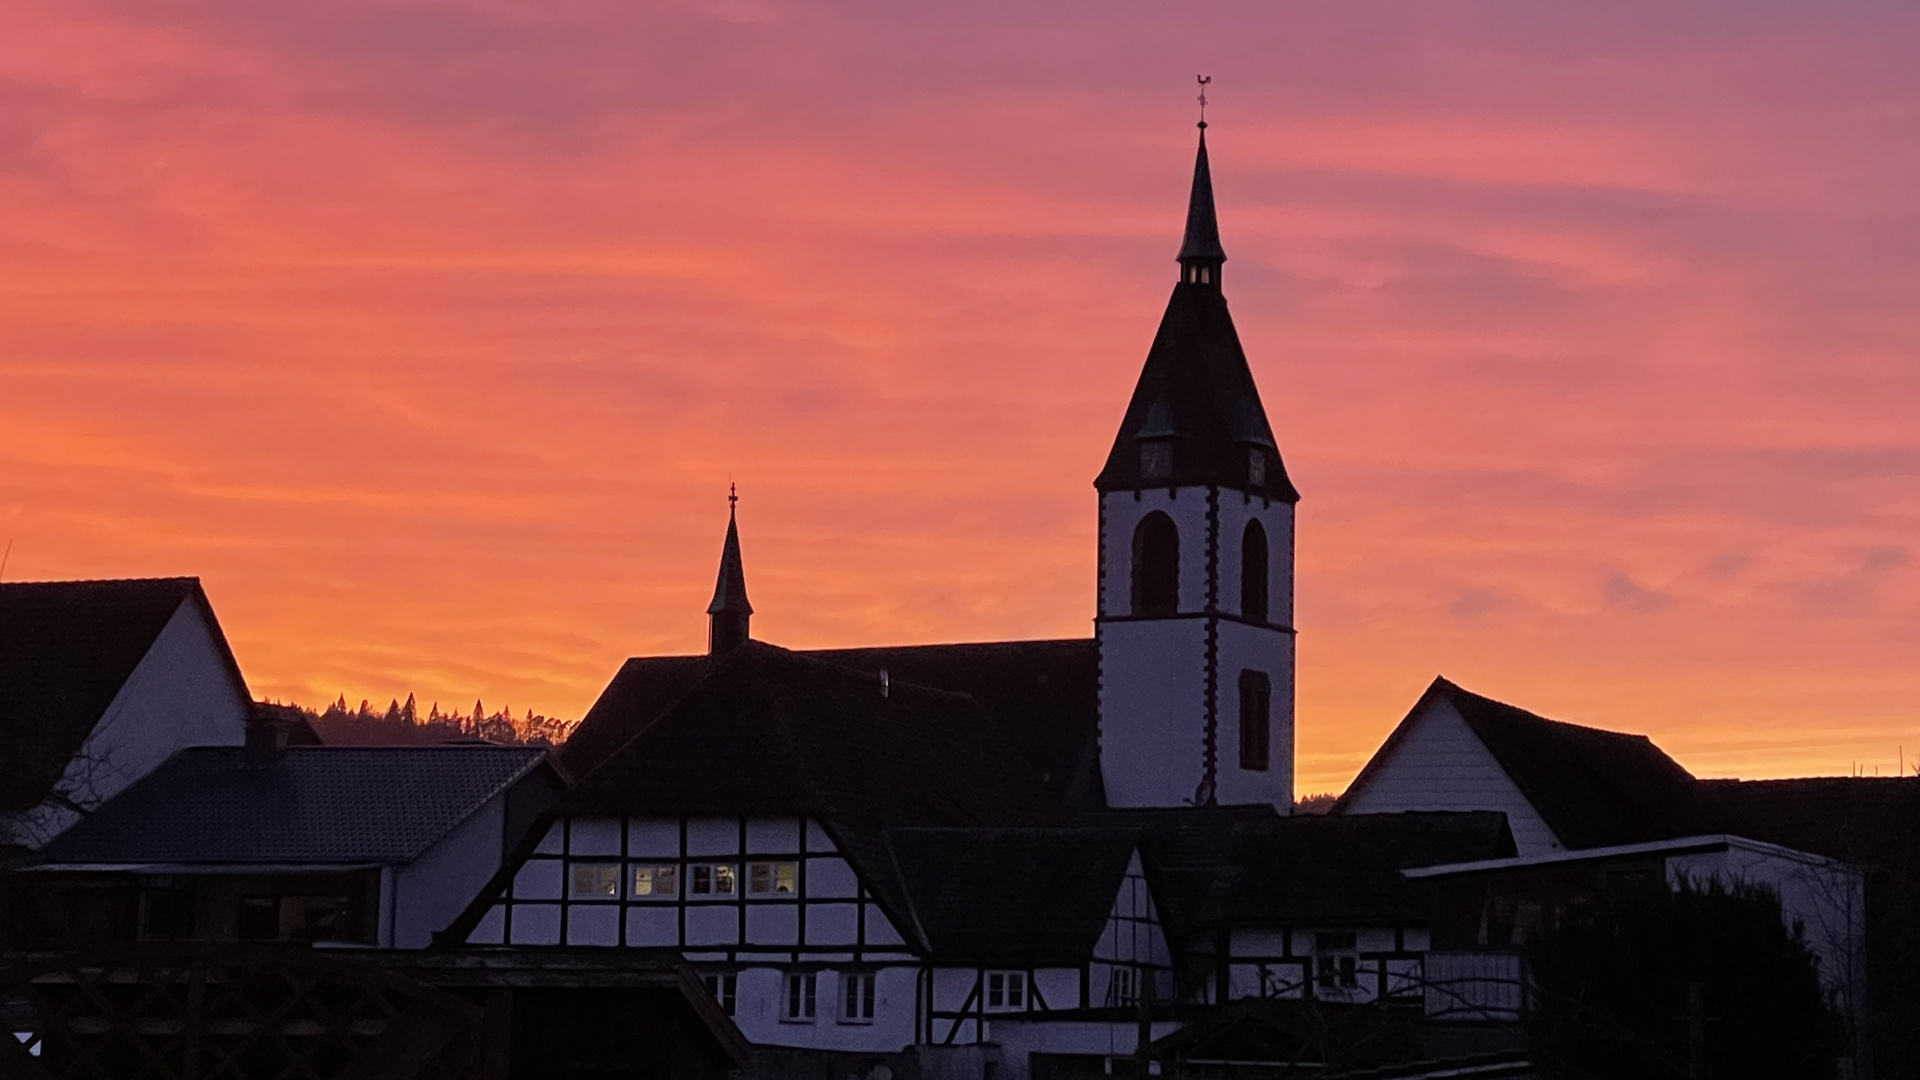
<point x="428" y="334"/>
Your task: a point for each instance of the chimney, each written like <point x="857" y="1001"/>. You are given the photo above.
<point x="266" y="743"/>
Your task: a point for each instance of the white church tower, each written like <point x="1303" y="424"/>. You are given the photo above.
<point x="1195" y="619"/>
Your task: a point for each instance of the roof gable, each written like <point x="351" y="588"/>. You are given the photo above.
<point x="324" y="805"/>
<point x="1591" y="787"/>
<point x="66" y="649"/>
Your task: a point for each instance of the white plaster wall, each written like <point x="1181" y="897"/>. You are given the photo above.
<point x="1152" y="710"/>
<point x="760" y="992"/>
<point x="431" y="891"/>
<point x="1241" y="648"/>
<point x="1439" y="764"/>
<point x="179" y="695"/>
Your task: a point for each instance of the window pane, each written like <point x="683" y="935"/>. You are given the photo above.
<point x="664" y="880"/>
<point x="702" y="879"/>
<point x="786" y="877"/>
<point x="643" y="881"/>
<point x="723" y="879"/>
<point x="759" y="878"/>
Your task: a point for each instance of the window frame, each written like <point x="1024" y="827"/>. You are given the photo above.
<point x="1006" y="990"/>
<point x="1256" y="573"/>
<point x="663" y="881"/>
<point x="859" y="993"/>
<point x="599" y="869"/>
<point x="799" y="997"/>
<point x="1156" y="567"/>
<point x="724" y="988"/>
<point x="715" y="874"/>
<point x="764" y="878"/>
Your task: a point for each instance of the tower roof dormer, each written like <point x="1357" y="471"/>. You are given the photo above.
<point x="1195" y="417"/>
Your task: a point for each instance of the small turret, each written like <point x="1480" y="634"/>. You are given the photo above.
<point x="728" y="614"/>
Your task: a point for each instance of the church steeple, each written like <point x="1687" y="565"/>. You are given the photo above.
<point x="728" y="614"/>
<point x="1200" y="251"/>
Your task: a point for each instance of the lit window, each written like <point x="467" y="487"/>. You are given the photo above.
<point x="1007" y="990"/>
<point x="856" y="1006"/>
<point x="724" y="986"/>
<point x="798" y="1008"/>
<point x="596" y="879"/>
<point x="712" y="879"/>
<point x="656" y="880"/>
<point x="773" y="878"/>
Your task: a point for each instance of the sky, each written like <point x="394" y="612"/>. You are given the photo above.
<point x="429" y="335"/>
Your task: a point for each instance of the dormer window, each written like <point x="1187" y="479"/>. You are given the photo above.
<point x="1256" y="468"/>
<point x="1156" y="460"/>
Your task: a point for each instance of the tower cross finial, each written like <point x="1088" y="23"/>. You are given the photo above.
<point x="1203" y="80"/>
<point x="733" y="496"/>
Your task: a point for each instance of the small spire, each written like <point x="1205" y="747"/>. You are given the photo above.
<point x="1200" y="251"/>
<point x="728" y="614"/>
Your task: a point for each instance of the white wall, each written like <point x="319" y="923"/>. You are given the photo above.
<point x="431" y="891"/>
<point x="181" y="694"/>
<point x="1440" y="764"/>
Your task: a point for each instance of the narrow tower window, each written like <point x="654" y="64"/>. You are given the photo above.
<point x="1253" y="572"/>
<point x="1156" y="566"/>
<point x="1256" y="706"/>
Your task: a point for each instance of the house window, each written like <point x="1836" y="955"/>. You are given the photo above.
<point x="723" y="986"/>
<point x="713" y="879"/>
<point x="596" y="880"/>
<point x="798" y="1008"/>
<point x="1336" y="965"/>
<point x="1256" y="720"/>
<point x="1156" y="459"/>
<point x="1253" y="572"/>
<point x="1007" y="991"/>
<point x="1124" y="989"/>
<point x="856" y="1005"/>
<point x="258" y="918"/>
<point x="656" y="880"/>
<point x="773" y="878"/>
<point x="166" y="914"/>
<point x="1156" y="566"/>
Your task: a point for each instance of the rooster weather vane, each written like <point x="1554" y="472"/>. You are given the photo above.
<point x="1203" y="80"/>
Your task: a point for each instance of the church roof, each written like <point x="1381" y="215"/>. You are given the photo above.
<point x="66" y="649"/>
<point x="730" y="587"/>
<point x="1196" y="392"/>
<point x="1593" y="788"/>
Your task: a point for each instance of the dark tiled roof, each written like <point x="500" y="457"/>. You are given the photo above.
<point x="1866" y="820"/>
<point x="1593" y="788"/>
<point x="325" y="805"/>
<point x="1042" y="696"/>
<point x="1252" y="866"/>
<point x="773" y="731"/>
<point x="641" y="690"/>
<point x="66" y="648"/>
<point x="1012" y="895"/>
<point x="1202" y="239"/>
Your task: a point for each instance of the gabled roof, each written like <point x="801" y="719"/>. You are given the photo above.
<point x="772" y="731"/>
<point x="1593" y="788"/>
<point x="1196" y="391"/>
<point x="66" y="649"/>
<point x="1041" y="696"/>
<point x="1025" y="896"/>
<point x="1250" y="866"/>
<point x="1870" y="821"/>
<point x="319" y="805"/>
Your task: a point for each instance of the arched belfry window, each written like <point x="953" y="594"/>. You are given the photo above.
<point x="1156" y="566"/>
<point x="1253" y="572"/>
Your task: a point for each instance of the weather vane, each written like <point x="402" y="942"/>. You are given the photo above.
<point x="1203" y="80"/>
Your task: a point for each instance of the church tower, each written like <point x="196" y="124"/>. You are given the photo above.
<point x="1195" y="601"/>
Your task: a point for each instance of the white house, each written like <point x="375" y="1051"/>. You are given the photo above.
<point x="100" y="682"/>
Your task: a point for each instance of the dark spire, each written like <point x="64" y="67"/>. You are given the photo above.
<point x="1201" y="247"/>
<point x="727" y="616"/>
<point x="1196" y="417"/>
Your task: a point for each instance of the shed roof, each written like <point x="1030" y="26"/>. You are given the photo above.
<point x="320" y="805"/>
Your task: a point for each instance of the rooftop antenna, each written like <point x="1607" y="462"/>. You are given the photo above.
<point x="1203" y="80"/>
